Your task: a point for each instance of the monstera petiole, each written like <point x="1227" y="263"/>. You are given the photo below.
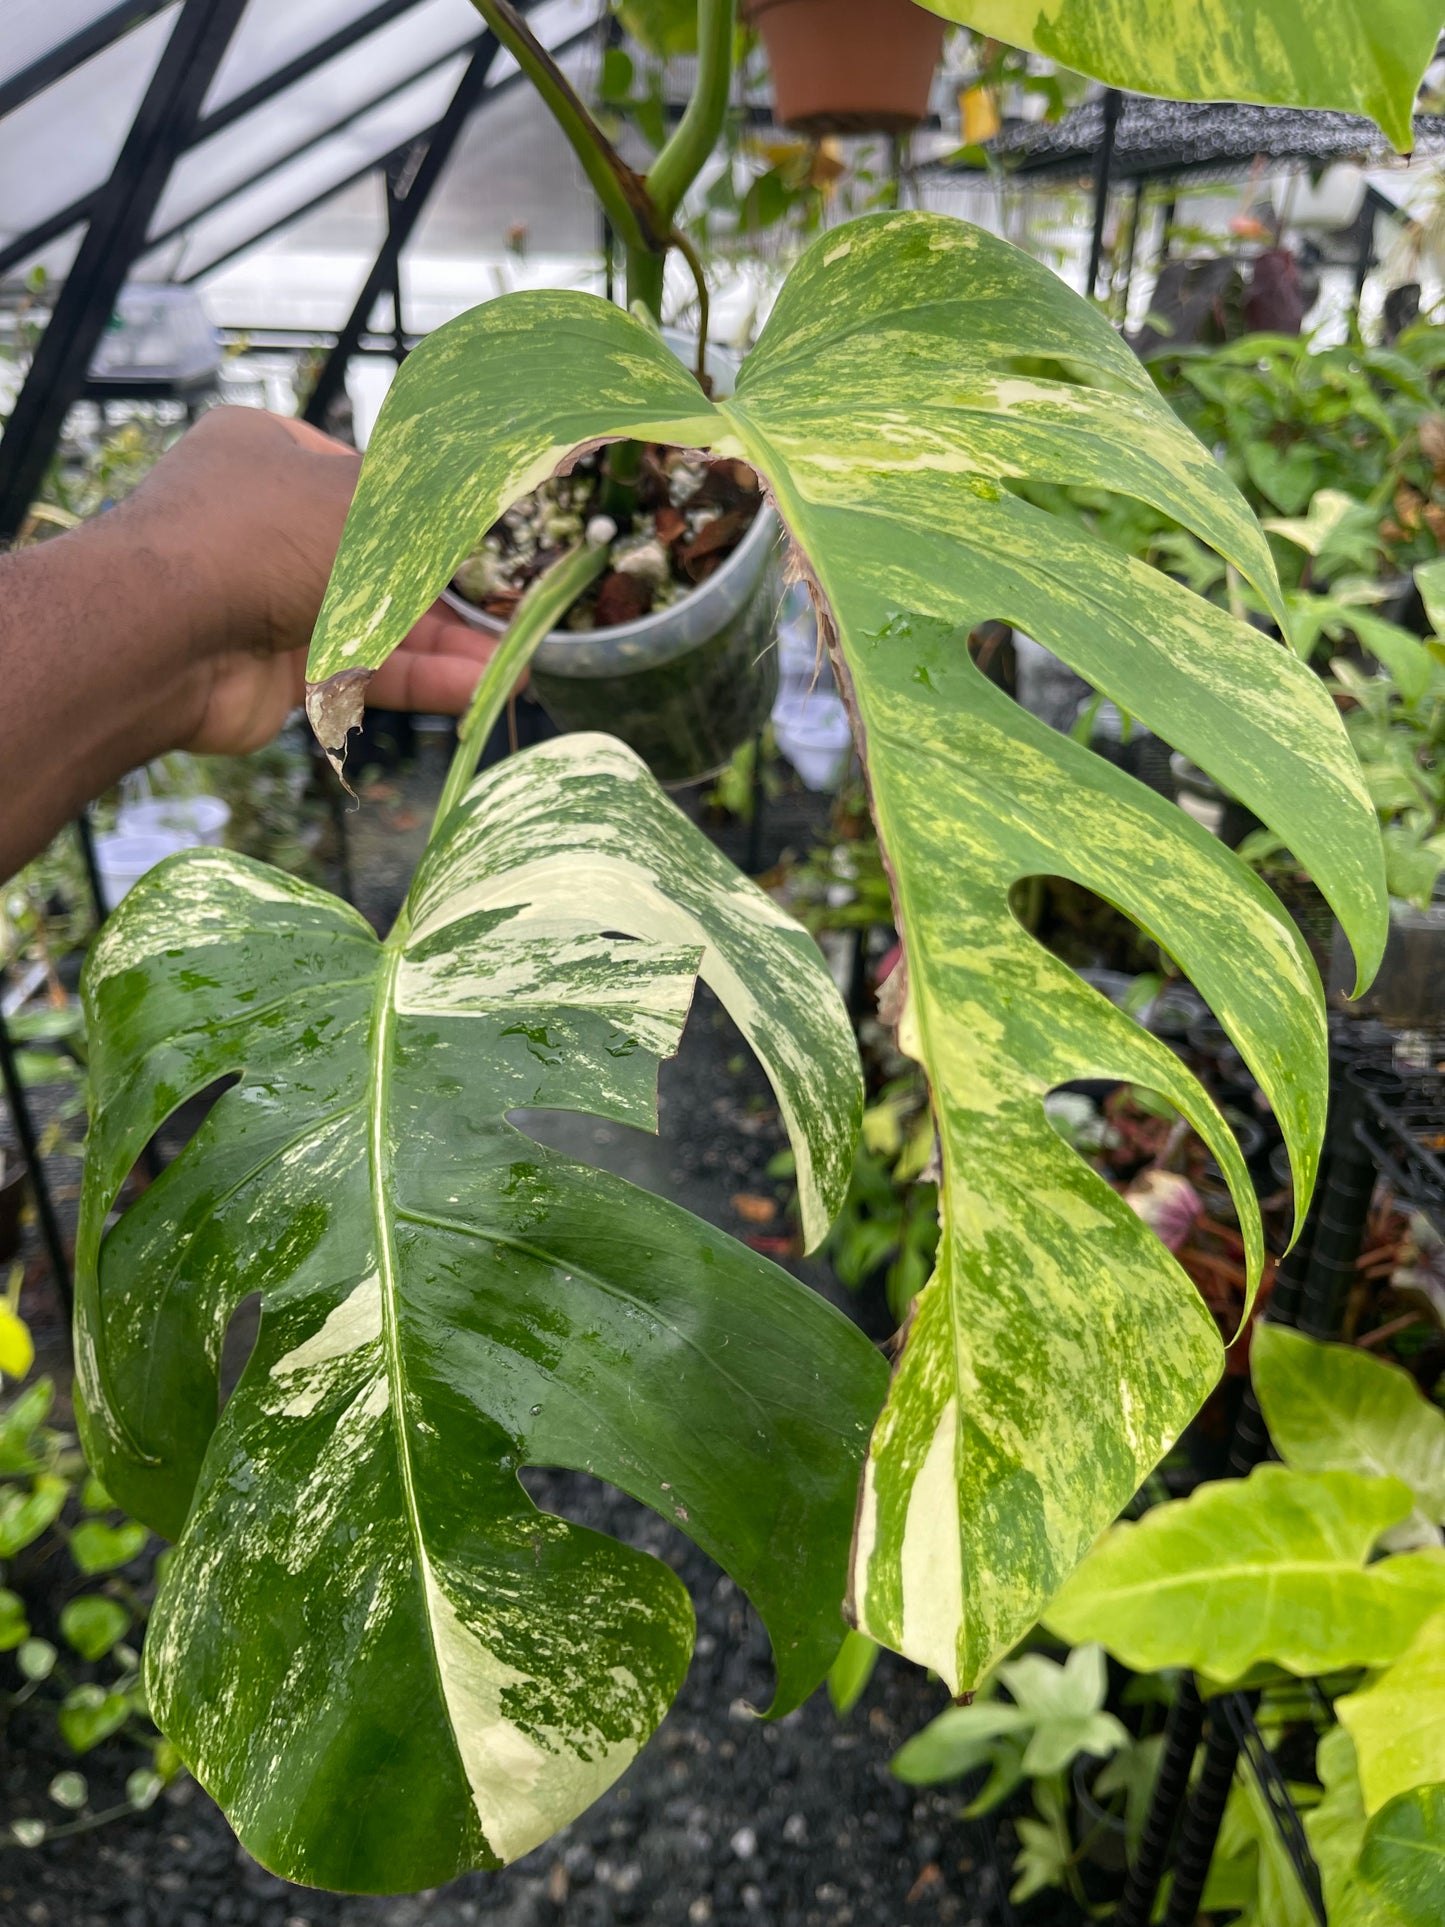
<point x="378" y="1654"/>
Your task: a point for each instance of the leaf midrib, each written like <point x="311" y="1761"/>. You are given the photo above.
<point x="378" y="1150"/>
<point x="777" y="474"/>
<point x="1268" y="1569"/>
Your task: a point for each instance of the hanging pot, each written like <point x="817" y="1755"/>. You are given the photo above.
<point x="687" y="685"/>
<point x="849" y="66"/>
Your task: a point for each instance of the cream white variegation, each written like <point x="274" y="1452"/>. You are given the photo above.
<point x="913" y="371"/>
<point x="379" y="1655"/>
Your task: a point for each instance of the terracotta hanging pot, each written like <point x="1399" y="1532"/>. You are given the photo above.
<point x="849" y="66"/>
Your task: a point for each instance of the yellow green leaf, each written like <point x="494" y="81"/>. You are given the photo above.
<point x="1365" y="56"/>
<point x="17" y="1350"/>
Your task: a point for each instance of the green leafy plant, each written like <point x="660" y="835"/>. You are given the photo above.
<point x="907" y="551"/>
<point x="1249" y="1580"/>
<point x="1053" y="1714"/>
<point x="1315" y="432"/>
<point x="53" y="1516"/>
<point x="447" y="1302"/>
<point x="1397" y="728"/>
<point x="1054" y="1717"/>
<point x="889" y="1218"/>
<point x="365" y="1612"/>
<point x="1395" y="719"/>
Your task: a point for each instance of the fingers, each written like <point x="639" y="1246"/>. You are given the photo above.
<point x="440" y="632"/>
<point x="435" y="669"/>
<point x="439" y="684"/>
<point x="314" y="439"/>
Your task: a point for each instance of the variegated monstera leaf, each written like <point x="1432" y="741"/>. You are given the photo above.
<point x="382" y="1659"/>
<point x="913" y="368"/>
<point x="1366" y="56"/>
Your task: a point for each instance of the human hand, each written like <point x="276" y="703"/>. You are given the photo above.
<point x="257" y="503"/>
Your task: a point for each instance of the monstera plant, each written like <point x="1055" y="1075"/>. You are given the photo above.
<point x="386" y="1662"/>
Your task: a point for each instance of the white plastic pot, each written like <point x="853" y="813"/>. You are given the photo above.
<point x="686" y="685"/>
<point x="812" y="732"/>
<point x="195" y="819"/>
<point x="123" y="856"/>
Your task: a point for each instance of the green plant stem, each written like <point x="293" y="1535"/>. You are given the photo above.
<point x="617" y="497"/>
<point x="620" y="190"/>
<point x="539" y="611"/>
<point x="681" y="160"/>
<point x="641" y="212"/>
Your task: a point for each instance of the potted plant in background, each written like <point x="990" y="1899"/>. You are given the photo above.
<point x="670" y="648"/>
<point x="849" y="66"/>
<point x="448" y="1303"/>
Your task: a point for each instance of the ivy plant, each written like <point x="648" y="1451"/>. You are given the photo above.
<point x="380" y="1656"/>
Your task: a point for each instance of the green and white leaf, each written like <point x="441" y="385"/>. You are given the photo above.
<point x="1402" y="1863"/>
<point x="1366" y="59"/>
<point x="1397" y="1722"/>
<point x="1333" y="1408"/>
<point x="374" y="1650"/>
<point x="1057" y="1713"/>
<point x="893" y="399"/>
<point x="1272" y="1568"/>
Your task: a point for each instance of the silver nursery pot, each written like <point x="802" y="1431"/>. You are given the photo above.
<point x="688" y="685"/>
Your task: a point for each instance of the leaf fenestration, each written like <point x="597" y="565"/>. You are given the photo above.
<point x="892" y="402"/>
<point x="385" y="1662"/>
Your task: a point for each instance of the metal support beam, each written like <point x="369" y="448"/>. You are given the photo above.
<point x="1136" y="219"/>
<point x="383" y="162"/>
<point x="120" y="215"/>
<point x="303" y="66"/>
<point x="311" y="142"/>
<point x="1103" y="168"/>
<point x="25" y="245"/>
<point x="43" y="233"/>
<point x="402" y="216"/>
<point x="30" y="1151"/>
<point x="283" y="221"/>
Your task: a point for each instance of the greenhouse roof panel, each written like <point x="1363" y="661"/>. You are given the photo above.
<point x="298" y="184"/>
<point x="347" y="88"/>
<point x="309" y="93"/>
<point x="62" y="144"/>
<point x="34" y="30"/>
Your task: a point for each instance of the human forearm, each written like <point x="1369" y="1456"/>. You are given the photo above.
<point x="103" y="665"/>
<point x="180" y="621"/>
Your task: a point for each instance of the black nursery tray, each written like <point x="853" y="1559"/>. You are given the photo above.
<point x="1406" y="1134"/>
